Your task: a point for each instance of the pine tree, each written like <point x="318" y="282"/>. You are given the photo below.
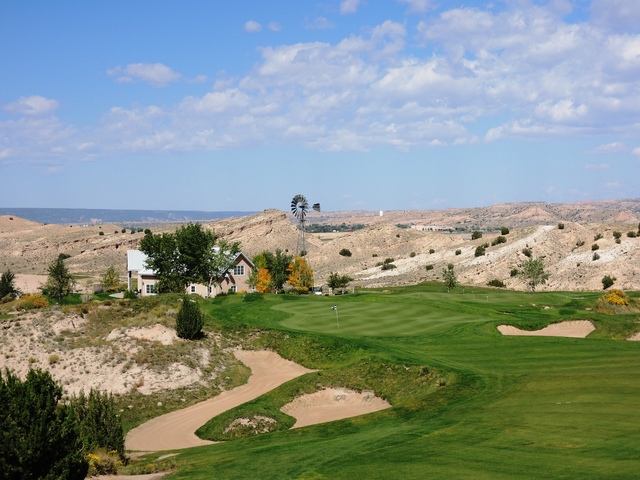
<point x="60" y="283"/>
<point x="189" y="320"/>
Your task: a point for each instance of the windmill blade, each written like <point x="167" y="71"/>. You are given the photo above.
<point x="316" y="207"/>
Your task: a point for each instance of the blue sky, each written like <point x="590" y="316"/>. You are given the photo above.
<point x="358" y="104"/>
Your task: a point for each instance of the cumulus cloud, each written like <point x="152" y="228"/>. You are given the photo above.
<point x="156" y="74"/>
<point x="349" y="6"/>
<point x="616" y="14"/>
<point x="252" y="26"/>
<point x="34" y="105"/>
<point x="466" y="75"/>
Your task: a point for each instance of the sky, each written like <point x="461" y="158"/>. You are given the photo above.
<point x="356" y="104"/>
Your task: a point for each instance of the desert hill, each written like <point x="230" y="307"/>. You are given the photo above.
<point x="28" y="247"/>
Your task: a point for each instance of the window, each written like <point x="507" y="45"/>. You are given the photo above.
<point x="150" y="289"/>
<point x="233" y="289"/>
<point x="238" y="270"/>
<point x="192" y="289"/>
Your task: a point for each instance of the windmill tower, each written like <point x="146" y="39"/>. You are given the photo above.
<point x="299" y="208"/>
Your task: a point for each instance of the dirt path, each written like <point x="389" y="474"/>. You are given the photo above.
<point x="176" y="429"/>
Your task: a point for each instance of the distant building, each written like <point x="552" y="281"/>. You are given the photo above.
<point x="233" y="280"/>
<point x="433" y="228"/>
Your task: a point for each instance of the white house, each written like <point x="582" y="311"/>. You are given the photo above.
<point x="234" y="279"/>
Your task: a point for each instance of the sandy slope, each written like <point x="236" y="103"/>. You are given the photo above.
<point x="575" y="329"/>
<point x="176" y="429"/>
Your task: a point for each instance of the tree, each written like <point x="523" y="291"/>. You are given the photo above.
<point x="110" y="279"/>
<point x="189" y="320"/>
<point x="475" y="235"/>
<point x="479" y="251"/>
<point x="337" y="281"/>
<point x="278" y="266"/>
<point x="7" y="285"/>
<point x="217" y="261"/>
<point x="39" y="435"/>
<point x="607" y="281"/>
<point x="504" y="231"/>
<point x="449" y="277"/>
<point x="98" y="421"/>
<point x="186" y="256"/>
<point x="533" y="274"/>
<point x="301" y="276"/>
<point x="59" y="283"/>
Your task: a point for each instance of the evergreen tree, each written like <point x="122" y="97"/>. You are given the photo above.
<point x="39" y="436"/>
<point x="189" y="320"/>
<point x="60" y="283"/>
<point x="449" y="277"/>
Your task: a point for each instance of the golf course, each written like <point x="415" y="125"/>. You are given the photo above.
<point x="467" y="401"/>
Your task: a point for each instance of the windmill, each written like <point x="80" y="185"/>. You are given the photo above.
<point x="299" y="208"/>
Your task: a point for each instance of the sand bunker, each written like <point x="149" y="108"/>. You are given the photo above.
<point x="574" y="329"/>
<point x="177" y="429"/>
<point x="332" y="404"/>
<point x="635" y="337"/>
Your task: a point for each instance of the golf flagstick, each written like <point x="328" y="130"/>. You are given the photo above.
<point x="335" y="307"/>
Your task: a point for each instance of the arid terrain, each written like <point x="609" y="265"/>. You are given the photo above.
<point x="405" y="236"/>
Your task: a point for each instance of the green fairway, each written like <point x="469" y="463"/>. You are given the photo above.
<point x="489" y="407"/>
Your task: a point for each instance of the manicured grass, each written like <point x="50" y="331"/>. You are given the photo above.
<point x="509" y="407"/>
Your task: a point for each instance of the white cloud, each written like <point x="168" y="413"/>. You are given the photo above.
<point x="349" y="6"/>
<point x="636" y="151"/>
<point x="319" y="23"/>
<point x="34" y="105"/>
<point x="613" y="147"/>
<point x="252" y="26"/>
<point x="616" y="14"/>
<point x="274" y="26"/>
<point x="612" y="186"/>
<point x="597" y="166"/>
<point x="156" y="74"/>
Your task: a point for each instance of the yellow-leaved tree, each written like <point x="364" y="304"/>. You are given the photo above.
<point x="301" y="276"/>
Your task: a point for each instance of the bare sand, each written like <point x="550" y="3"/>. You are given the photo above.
<point x="573" y="329"/>
<point x="332" y="404"/>
<point x="176" y="430"/>
<point x="635" y="337"/>
<point x="30" y="283"/>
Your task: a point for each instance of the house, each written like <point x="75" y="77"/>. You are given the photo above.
<point x="144" y="280"/>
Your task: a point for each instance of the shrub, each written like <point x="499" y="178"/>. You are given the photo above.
<point x="514" y="272"/>
<point x="479" y="250"/>
<point x="124" y="230"/>
<point x="595" y="256"/>
<point x="412" y="254"/>
<point x="597" y="237"/>
<point x="189" y="320"/>
<point x="130" y="295"/>
<point x="476" y="235"/>
<point x="504" y="231"/>
<point x="389" y="260"/>
<point x="579" y="243"/>
<point x="429" y="267"/>
<point x="431" y="251"/>
<point x="527" y="252"/>
<point x="616" y="297"/>
<point x="496" y="283"/>
<point x="617" y="235"/>
<point x="53" y="359"/>
<point x="631" y="234"/>
<point x="458" y="252"/>
<point x="388" y="266"/>
<point x="40" y="435"/>
<point x="345" y="252"/>
<point x="103" y="462"/>
<point x="498" y="240"/>
<point x="147" y="231"/>
<point x="32" y="300"/>
<point x="561" y="226"/>
<point x="374" y="255"/>
<point x="595" y="247"/>
<point x="100" y="233"/>
<point x="607" y="281"/>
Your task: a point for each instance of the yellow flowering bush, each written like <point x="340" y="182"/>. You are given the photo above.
<point x="616" y="297"/>
<point x="103" y="462"/>
<point x="32" y="300"/>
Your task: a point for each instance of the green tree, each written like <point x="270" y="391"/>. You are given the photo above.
<point x="338" y="282"/>
<point x="217" y="260"/>
<point x="278" y="265"/>
<point x="110" y="279"/>
<point x="59" y="283"/>
<point x="533" y="274"/>
<point x="476" y="235"/>
<point x="39" y="435"/>
<point x="607" y="281"/>
<point x="449" y="277"/>
<point x="480" y="250"/>
<point x="184" y="257"/>
<point x="99" y="424"/>
<point x="7" y="285"/>
<point x="504" y="231"/>
<point x="189" y="320"/>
